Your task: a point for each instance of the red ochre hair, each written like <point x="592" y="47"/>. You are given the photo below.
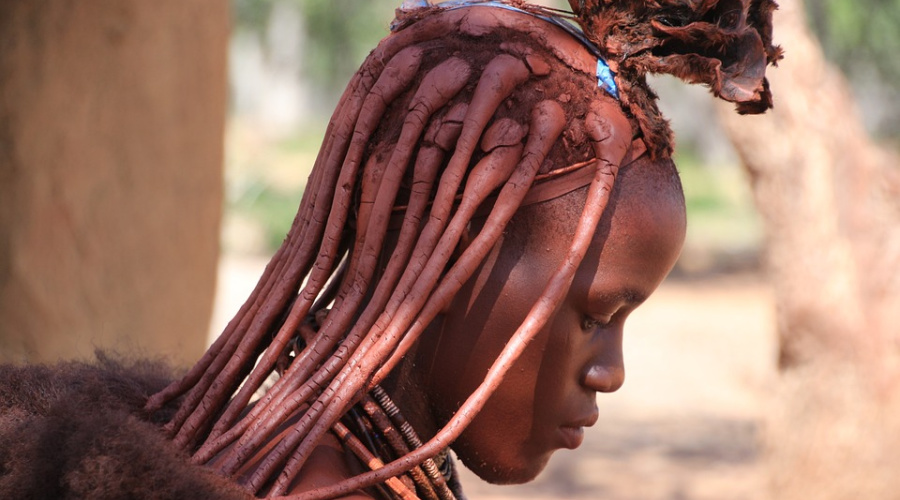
<point x="457" y="113"/>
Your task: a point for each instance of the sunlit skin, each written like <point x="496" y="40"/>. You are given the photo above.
<point x="393" y="274"/>
<point x="550" y="394"/>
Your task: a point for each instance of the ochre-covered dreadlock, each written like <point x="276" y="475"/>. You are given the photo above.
<point x="460" y="113"/>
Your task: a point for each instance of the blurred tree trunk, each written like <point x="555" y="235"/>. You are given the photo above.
<point x="830" y="201"/>
<point x="111" y="148"/>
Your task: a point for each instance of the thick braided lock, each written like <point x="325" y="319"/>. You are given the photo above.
<point x="467" y="111"/>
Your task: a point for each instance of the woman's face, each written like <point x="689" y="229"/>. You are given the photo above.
<point x="548" y="397"/>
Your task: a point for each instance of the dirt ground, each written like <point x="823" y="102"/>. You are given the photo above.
<point x="688" y="422"/>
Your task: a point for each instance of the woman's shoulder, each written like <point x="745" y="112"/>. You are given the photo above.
<point x="327" y="465"/>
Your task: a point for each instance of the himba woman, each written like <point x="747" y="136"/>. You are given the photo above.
<point x="494" y="195"/>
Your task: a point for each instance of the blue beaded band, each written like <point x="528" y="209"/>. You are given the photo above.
<point x="606" y="79"/>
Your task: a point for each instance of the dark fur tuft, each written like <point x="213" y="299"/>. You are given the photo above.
<point x="77" y="431"/>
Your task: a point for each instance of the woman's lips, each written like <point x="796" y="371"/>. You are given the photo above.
<point x="573" y="434"/>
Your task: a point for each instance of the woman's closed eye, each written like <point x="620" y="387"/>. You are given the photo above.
<point x="590" y="323"/>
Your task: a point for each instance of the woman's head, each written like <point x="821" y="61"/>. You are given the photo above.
<point x="468" y="190"/>
<point x="549" y="394"/>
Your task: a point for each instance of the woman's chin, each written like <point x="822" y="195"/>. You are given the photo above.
<point x="506" y="472"/>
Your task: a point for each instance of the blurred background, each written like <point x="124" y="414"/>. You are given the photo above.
<point x="153" y="157"/>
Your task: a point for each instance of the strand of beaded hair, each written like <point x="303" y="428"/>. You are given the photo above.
<point x="445" y="185"/>
<point x="438" y="244"/>
<point x="538" y="145"/>
<point x="349" y="382"/>
<point x="368" y="458"/>
<point x="609" y="151"/>
<point x="382" y="424"/>
<point x="263" y="286"/>
<point x="379" y="405"/>
<point x="215" y="445"/>
<point x="392" y="81"/>
<point x="338" y="210"/>
<point x="308" y="225"/>
<point x="269" y="310"/>
<point x="362" y="427"/>
<point x="548" y="120"/>
<point x="276" y="409"/>
<point x="437" y="87"/>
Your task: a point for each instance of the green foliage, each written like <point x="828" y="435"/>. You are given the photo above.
<point x="863" y="39"/>
<point x="721" y="216"/>
<point x="343" y="33"/>
<point x="271" y="209"/>
<point x="340" y="33"/>
<point x="265" y="181"/>
<point x="859" y="34"/>
<point x="251" y="15"/>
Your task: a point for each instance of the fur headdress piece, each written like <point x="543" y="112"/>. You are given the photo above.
<point x="725" y="44"/>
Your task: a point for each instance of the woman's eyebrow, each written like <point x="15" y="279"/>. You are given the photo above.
<point x="627" y="295"/>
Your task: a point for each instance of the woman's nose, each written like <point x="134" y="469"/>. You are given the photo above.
<point x="605" y="372"/>
<point x="604" y="377"/>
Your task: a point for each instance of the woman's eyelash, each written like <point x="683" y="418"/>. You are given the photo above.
<point x="589" y="323"/>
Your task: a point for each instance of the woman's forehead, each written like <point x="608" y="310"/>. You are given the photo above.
<point x="645" y="183"/>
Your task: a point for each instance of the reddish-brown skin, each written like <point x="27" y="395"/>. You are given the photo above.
<point x="446" y="126"/>
<point x="551" y="125"/>
<point x="549" y="394"/>
<point x="454" y="244"/>
<point x="565" y="366"/>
